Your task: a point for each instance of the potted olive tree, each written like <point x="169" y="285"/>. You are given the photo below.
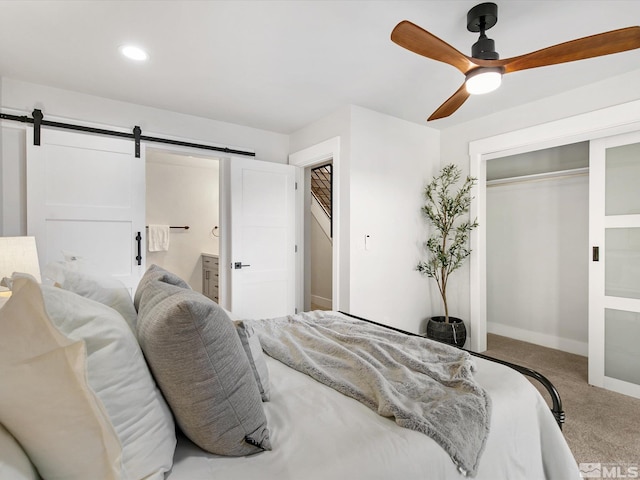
<point x="447" y="247"/>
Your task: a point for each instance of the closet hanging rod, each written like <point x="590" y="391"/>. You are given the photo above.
<point x="38" y="121"/>
<point x="186" y="227"/>
<point x="533" y="177"/>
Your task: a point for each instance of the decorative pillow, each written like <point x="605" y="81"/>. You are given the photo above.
<point x="154" y="293"/>
<point x="197" y="359"/>
<point x="78" y="375"/>
<point x="45" y="399"/>
<point x="104" y="289"/>
<point x="154" y="272"/>
<point x="253" y="349"/>
<point x="120" y="377"/>
<point x="14" y="463"/>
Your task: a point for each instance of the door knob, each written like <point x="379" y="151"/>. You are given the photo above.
<point x="239" y="265"/>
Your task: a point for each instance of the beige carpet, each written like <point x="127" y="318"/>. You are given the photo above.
<point x="601" y="426"/>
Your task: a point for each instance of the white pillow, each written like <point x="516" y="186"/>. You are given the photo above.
<point x="101" y="288"/>
<point x="14" y="463"/>
<point x="46" y="401"/>
<point x="92" y="410"/>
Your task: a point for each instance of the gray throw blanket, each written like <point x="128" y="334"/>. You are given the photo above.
<point x="425" y="385"/>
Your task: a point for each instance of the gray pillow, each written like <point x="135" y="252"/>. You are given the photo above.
<point x="155" y="292"/>
<point x="199" y="364"/>
<point x="253" y="349"/>
<point x="154" y="272"/>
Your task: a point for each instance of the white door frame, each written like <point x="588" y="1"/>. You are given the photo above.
<point x="309" y="157"/>
<point x="597" y="124"/>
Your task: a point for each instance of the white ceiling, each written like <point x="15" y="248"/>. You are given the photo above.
<point x="280" y="65"/>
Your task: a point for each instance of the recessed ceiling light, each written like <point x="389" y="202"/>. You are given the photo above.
<point x="134" y="53"/>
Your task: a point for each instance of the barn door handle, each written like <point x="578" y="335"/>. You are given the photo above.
<point x="239" y="265"/>
<point x="139" y="256"/>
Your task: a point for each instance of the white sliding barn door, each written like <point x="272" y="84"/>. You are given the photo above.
<point x="614" y="276"/>
<point x="262" y="243"/>
<point x="85" y="196"/>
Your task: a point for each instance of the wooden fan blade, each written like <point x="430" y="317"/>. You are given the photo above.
<point x="418" y="40"/>
<point x="598" y="45"/>
<point x="451" y="105"/>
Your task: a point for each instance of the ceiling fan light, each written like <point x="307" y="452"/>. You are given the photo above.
<point x="483" y="80"/>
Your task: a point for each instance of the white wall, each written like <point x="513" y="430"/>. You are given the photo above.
<point x="183" y="191"/>
<point x="385" y="163"/>
<point x="537" y="261"/>
<point x="19" y="97"/>
<point x="391" y="161"/>
<point x="13" y="221"/>
<point x="455" y="140"/>
<point x="23" y="96"/>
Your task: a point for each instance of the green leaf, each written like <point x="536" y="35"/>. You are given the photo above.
<point x="444" y="208"/>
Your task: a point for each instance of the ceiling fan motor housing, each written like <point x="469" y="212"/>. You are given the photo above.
<point x="484" y="48"/>
<point x="479" y="19"/>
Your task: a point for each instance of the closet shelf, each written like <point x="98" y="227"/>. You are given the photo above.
<point x="539" y="176"/>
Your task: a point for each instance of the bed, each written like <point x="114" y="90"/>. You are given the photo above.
<point x="314" y="431"/>
<point x="321" y="433"/>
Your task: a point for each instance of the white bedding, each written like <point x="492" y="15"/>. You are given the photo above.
<point x="320" y="434"/>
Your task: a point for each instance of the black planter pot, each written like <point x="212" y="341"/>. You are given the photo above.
<point x="453" y="333"/>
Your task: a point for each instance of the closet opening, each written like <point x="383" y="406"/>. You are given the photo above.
<point x="537" y="233"/>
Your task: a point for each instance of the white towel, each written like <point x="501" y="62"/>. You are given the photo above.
<point x="158" y="238"/>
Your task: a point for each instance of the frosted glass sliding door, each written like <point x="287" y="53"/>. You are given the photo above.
<point x="614" y="276"/>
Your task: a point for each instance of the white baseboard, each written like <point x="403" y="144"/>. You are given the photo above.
<point x="542" y="339"/>
<point x="621" y="386"/>
<point x="321" y="301"/>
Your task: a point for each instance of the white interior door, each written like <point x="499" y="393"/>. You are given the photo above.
<point x="262" y="244"/>
<point x="85" y="195"/>
<point x="614" y="276"/>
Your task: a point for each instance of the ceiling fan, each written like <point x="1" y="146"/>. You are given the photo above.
<point x="483" y="70"/>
